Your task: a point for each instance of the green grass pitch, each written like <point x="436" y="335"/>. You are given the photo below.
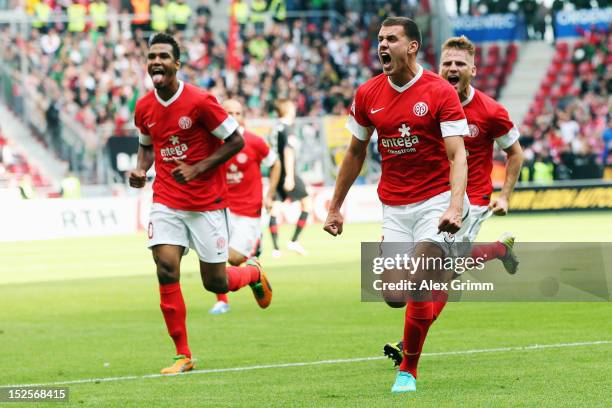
<point x="80" y="309"/>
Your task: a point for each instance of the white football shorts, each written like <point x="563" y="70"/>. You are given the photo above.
<point x="245" y="233"/>
<point x="478" y="215"/>
<point x="418" y="222"/>
<point x="207" y="232"/>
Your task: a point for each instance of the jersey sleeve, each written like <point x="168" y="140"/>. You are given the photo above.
<point x="265" y="155"/>
<point x="144" y="138"/>
<point x="291" y="138"/>
<point x="358" y="122"/>
<point x="502" y="129"/>
<point x="450" y="113"/>
<point x="215" y="119"/>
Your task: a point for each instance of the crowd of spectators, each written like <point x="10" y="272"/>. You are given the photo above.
<point x="96" y="77"/>
<point x="572" y="135"/>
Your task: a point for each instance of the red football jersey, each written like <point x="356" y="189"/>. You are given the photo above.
<point x="190" y="126"/>
<point x="245" y="191"/>
<point x="489" y="122"/>
<point x="411" y="122"/>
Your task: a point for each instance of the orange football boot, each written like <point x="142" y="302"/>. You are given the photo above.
<point x="262" y="290"/>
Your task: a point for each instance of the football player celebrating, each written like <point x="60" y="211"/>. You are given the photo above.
<point x="420" y="126"/>
<point x="489" y="124"/>
<point x="188" y="136"/>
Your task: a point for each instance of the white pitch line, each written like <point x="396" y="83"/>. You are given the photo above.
<point x="313" y="363"/>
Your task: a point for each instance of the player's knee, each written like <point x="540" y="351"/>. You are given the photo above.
<point x="216" y="285"/>
<point x="166" y="273"/>
<point x="236" y="259"/>
<point x="395" y="304"/>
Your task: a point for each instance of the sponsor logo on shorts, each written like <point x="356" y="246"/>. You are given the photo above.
<point x="184" y="122"/>
<point x="150" y="230"/>
<point x="420" y="109"/>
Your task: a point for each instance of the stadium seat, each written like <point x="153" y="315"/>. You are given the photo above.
<point x="562" y="47"/>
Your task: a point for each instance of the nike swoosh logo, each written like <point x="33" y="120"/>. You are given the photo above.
<point x="150" y="125"/>
<point x="373" y="111"/>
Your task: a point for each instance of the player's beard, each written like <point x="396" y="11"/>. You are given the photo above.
<point x="463" y="86"/>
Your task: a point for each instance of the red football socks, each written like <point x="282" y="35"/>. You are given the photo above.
<point x="240" y="276"/>
<point x="488" y="252"/>
<point x="173" y="308"/>
<point x="222" y="297"/>
<point x="439" y="297"/>
<point x="419" y="316"/>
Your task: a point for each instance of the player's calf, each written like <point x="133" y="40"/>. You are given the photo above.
<point x="216" y="285"/>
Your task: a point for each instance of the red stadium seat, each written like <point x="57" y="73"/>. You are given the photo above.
<point x="558" y="59"/>
<point x="585" y="68"/>
<point x="568" y="69"/>
<point x="566" y="81"/>
<point x="562" y="47"/>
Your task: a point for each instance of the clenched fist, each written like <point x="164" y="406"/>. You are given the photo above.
<point x="138" y="178"/>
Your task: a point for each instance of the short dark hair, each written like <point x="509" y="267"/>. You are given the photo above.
<point x="163" y="38"/>
<point x="410" y="28"/>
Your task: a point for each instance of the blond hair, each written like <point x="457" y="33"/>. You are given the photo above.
<point x="460" y="43"/>
<point x="283" y="106"/>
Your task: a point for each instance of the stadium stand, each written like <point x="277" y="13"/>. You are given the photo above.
<point x="494" y="66"/>
<point x="14" y="167"/>
<point x="317" y="61"/>
<point x="568" y="126"/>
<point x="97" y="77"/>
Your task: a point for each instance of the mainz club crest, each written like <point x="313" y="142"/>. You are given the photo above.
<point x="220" y="243"/>
<point x="241" y="158"/>
<point x="420" y="109"/>
<point x="474" y="131"/>
<point x="184" y="122"/>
